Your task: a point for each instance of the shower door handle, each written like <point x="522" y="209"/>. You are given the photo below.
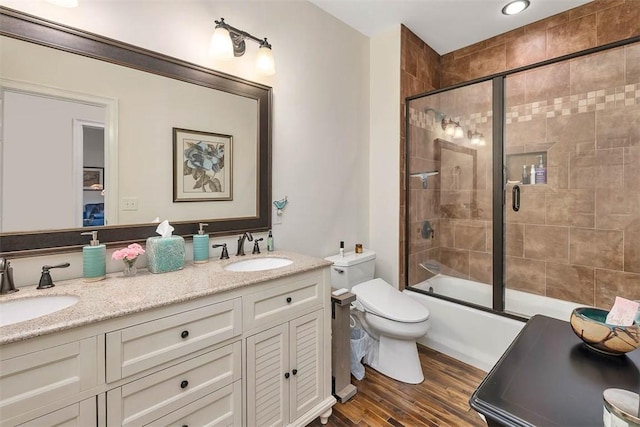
<point x="515" y="198"/>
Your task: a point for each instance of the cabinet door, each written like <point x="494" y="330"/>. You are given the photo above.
<point x="47" y="375"/>
<point x="81" y="414"/>
<point x="306" y="363"/>
<point x="267" y="387"/>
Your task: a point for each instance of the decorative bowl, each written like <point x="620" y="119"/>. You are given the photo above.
<point x="588" y="323"/>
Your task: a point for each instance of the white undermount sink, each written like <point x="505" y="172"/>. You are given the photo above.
<point x="258" y="264"/>
<point x="19" y="310"/>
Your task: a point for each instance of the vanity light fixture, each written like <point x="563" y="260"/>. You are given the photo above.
<point x="458" y="132"/>
<point x="514" y="7"/>
<point x="228" y="41"/>
<point x="476" y="138"/>
<point x="452" y="128"/>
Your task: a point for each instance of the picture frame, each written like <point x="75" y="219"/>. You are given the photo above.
<point x="202" y="166"/>
<point x="92" y="179"/>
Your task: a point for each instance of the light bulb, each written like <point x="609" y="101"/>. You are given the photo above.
<point x="458" y="132"/>
<point x="221" y="45"/>
<point x="264" y="61"/>
<point x="449" y="129"/>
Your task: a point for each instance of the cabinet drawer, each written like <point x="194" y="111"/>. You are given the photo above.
<point x="147" y="345"/>
<point x="149" y="398"/>
<point x="220" y="408"/>
<point x="42" y="377"/>
<point x="283" y="302"/>
<point x="81" y="414"/>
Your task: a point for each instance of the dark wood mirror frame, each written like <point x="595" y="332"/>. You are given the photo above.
<point x="29" y="28"/>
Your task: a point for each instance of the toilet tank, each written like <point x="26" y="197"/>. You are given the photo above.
<point x="352" y="268"/>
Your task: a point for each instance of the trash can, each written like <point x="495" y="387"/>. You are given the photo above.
<point x="341" y="386"/>
<point x="359" y="346"/>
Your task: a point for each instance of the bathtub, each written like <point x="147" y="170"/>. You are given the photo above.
<point x="473" y="336"/>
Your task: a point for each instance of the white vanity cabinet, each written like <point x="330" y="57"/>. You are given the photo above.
<point x="285" y="371"/>
<point x="40" y="377"/>
<point x="174" y="361"/>
<point x="252" y="355"/>
<point x="288" y="352"/>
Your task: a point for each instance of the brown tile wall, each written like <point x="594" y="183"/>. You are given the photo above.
<point x="594" y="24"/>
<point x="590" y="206"/>
<point x="419" y="73"/>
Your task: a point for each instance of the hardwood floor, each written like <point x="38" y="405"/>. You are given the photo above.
<point x="441" y="400"/>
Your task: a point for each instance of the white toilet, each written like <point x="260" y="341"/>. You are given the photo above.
<point x="392" y="318"/>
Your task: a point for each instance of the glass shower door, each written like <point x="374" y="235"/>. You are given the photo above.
<point x="572" y="156"/>
<point x="449" y="199"/>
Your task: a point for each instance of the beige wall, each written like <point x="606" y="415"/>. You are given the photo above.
<point x="320" y="106"/>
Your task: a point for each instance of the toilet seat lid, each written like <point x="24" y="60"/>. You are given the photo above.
<point x="379" y="297"/>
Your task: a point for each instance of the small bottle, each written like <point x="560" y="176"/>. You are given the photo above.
<point x="270" y="242"/>
<point x="541" y="172"/>
<point x="525" y="174"/>
<point x="94" y="261"/>
<point x="341" y="248"/>
<point x="532" y="175"/>
<point x="201" y="246"/>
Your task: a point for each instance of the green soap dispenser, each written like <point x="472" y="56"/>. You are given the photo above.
<point x="201" y="246"/>
<point x="94" y="259"/>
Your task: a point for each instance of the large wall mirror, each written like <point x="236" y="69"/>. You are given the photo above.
<point x="98" y="134"/>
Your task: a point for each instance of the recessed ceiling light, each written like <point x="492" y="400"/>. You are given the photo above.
<point x="515" y="7"/>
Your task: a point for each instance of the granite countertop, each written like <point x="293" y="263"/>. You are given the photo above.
<point x="119" y="296"/>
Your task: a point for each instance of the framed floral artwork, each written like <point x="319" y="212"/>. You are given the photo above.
<point x="202" y="166"/>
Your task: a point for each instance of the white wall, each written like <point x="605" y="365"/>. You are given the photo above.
<point x="384" y="156"/>
<point x="320" y="106"/>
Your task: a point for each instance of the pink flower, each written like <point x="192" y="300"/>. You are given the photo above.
<point x="130" y="253"/>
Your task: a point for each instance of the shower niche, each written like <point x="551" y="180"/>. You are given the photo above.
<point x="519" y="166"/>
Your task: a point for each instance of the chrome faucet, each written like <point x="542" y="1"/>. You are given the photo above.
<point x="241" y="239"/>
<point x="6" y="277"/>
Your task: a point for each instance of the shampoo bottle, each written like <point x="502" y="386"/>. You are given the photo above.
<point x="94" y="261"/>
<point x="201" y="246"/>
<point x="541" y="172"/>
<point x="525" y="174"/>
<point x="270" y="242"/>
<point x="532" y="175"/>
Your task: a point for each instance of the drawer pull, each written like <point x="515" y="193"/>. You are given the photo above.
<point x="295" y="371"/>
<point x="286" y="375"/>
<point x="184" y="384"/>
<point x="289" y="300"/>
<point x="184" y="334"/>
